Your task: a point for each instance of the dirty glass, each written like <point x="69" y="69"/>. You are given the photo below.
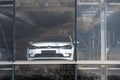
<point x="88" y="30"/>
<point x="36" y="18"/>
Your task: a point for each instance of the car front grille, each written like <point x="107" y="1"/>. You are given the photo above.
<point x="50" y="47"/>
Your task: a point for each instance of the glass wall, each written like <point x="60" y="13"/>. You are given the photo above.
<point x="39" y="39"/>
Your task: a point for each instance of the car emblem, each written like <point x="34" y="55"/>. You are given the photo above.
<point x="49" y="46"/>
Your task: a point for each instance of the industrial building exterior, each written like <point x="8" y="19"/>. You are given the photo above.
<point x="92" y="51"/>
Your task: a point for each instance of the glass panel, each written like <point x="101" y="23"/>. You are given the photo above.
<point x="113" y="30"/>
<point x="44" y="72"/>
<point x="5" y="72"/>
<point x="6" y="27"/>
<point x="88" y="31"/>
<point x="114" y="72"/>
<point x="44" y="29"/>
<point x="88" y="72"/>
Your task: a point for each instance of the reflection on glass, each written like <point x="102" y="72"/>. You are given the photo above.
<point x="113" y="18"/>
<point x="86" y="72"/>
<point x="88" y="32"/>
<point x="5" y="72"/>
<point x="44" y="72"/>
<point x="113" y="73"/>
<point x="113" y="1"/>
<point x="6" y="2"/>
<point x="113" y="77"/>
<point x="38" y="18"/>
<point x="6" y="27"/>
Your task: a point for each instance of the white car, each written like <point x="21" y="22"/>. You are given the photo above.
<point x="51" y="47"/>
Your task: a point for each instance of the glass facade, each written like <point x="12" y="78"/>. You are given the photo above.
<point x="59" y="39"/>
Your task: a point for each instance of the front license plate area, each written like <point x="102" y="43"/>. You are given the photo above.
<point x="48" y="52"/>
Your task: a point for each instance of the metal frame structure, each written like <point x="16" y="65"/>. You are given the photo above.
<point x="80" y="62"/>
<point x="102" y="63"/>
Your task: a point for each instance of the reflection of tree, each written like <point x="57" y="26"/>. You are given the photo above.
<point x="113" y="77"/>
<point x="66" y="72"/>
<point x="89" y="76"/>
<point x="46" y="72"/>
<point x="53" y="72"/>
<point x="87" y="23"/>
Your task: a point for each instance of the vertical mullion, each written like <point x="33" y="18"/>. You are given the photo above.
<point x="14" y="29"/>
<point x="13" y="72"/>
<point x="103" y="7"/>
<point x="76" y="73"/>
<point x="75" y="44"/>
<point x="14" y="37"/>
<point x="103" y="30"/>
<point x="75" y="52"/>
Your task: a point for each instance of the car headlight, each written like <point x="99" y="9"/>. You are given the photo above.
<point x="30" y="54"/>
<point x="67" y="47"/>
<point x="33" y="47"/>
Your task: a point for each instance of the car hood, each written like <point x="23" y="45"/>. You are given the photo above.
<point x="51" y="43"/>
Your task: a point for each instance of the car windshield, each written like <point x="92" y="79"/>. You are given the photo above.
<point x="53" y="38"/>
